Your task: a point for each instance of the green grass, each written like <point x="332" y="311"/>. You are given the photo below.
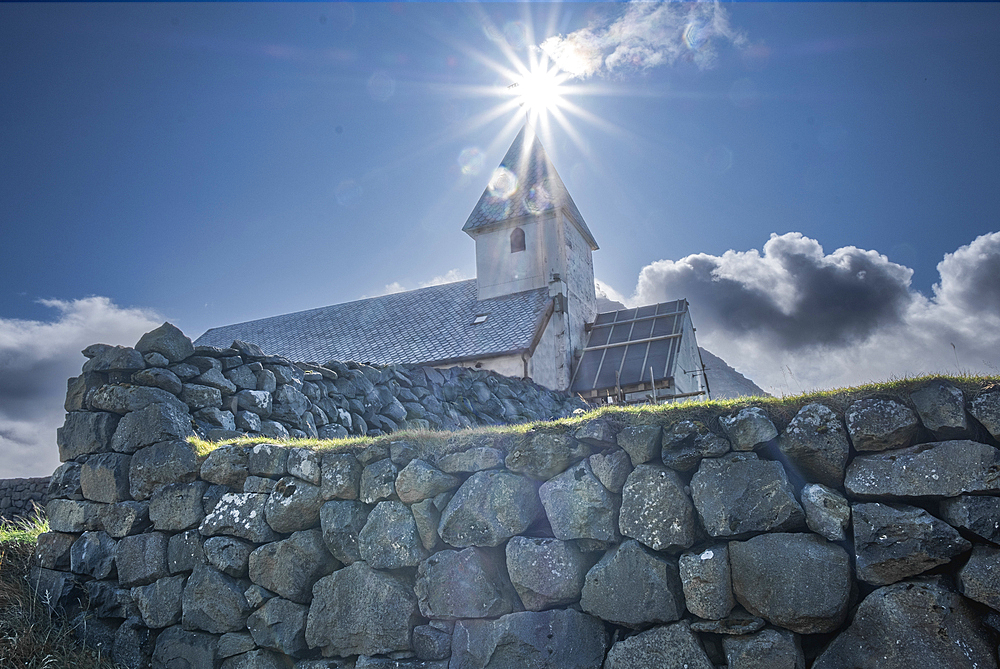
<point x="29" y="637"/>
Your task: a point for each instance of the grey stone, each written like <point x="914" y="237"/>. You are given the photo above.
<point x="707" y="583"/>
<point x="748" y="429"/>
<point x="941" y="407"/>
<point x="942" y="469"/>
<point x="979" y="579"/>
<point x="285" y="373"/>
<point x="980" y="514"/>
<point x="290" y="567"/>
<point x="78" y="388"/>
<point x="123" y="399"/>
<point x="204" y="362"/>
<point x="150" y="425"/>
<point x="93" y="632"/>
<point x="641" y="442"/>
<point x="272" y="429"/>
<point x="184" y="372"/>
<point x="256" y="595"/>
<point x="546" y="572"/>
<point x="815" y="443"/>
<point x="214" y="602"/>
<point x="280" y="625"/>
<point x="669" y="647"/>
<point x="213" y="378"/>
<point x="578" y="506"/>
<point x="634" y="587"/>
<point x="65" y="482"/>
<point x="85" y="432"/>
<point x="427" y="516"/>
<point x="124" y="518"/>
<point x="161" y="464"/>
<point x="247" y="421"/>
<point x="266" y="381"/>
<point x="184" y="551"/>
<point x="158" y="377"/>
<point x="267" y="460"/>
<point x="986" y="409"/>
<point x="737" y="623"/>
<point x="341" y="476"/>
<point x="159" y="602"/>
<point x="226" y="465"/>
<point x="365" y="662"/>
<point x="470" y="583"/>
<point x="115" y="359"/>
<point x="133" y="644"/>
<point x="234" y="643"/>
<point x="894" y="541"/>
<point x="489" y="508"/>
<point x="242" y="377"/>
<point x="255" y="401"/>
<point x="178" y="506"/>
<point x="911" y="624"/>
<point x="431" y="644"/>
<point x="105" y="478"/>
<point x="611" y="469"/>
<point x="342" y="522"/>
<point x="229" y="555"/>
<point x="293" y="505"/>
<point x="419" y="480"/>
<point x="141" y="559"/>
<point x="796" y="581"/>
<point x="168" y="341"/>
<point x="879" y="424"/>
<point x="216" y="419"/>
<point x="70" y="515"/>
<point x="59" y="591"/>
<point x="177" y="647"/>
<point x="258" y="484"/>
<point x="473" y="460"/>
<point x="240" y="515"/>
<point x="358" y="610"/>
<point x="566" y="639"/>
<point x="378" y="481"/>
<point x="656" y="510"/>
<point x="827" y="511"/>
<point x="687" y="442"/>
<point x="289" y="403"/>
<point x="198" y="396"/>
<point x="305" y="464"/>
<point x="739" y="493"/>
<point x="52" y="550"/>
<point x="389" y="539"/>
<point x="597" y="433"/>
<point x="155" y="359"/>
<point x="772" y="648"/>
<point x="93" y="555"/>
<point x="542" y="455"/>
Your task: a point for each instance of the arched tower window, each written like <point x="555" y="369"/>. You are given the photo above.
<point x="517" y="240"/>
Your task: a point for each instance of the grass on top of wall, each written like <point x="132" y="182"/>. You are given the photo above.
<point x="780" y="409"/>
<point x="29" y="637"/>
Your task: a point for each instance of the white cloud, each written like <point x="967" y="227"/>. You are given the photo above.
<point x="451" y="276"/>
<point x="37" y="358"/>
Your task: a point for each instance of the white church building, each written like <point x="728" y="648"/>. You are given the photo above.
<point x="530" y="312"/>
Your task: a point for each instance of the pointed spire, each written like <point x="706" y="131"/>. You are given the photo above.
<point x="525" y="184"/>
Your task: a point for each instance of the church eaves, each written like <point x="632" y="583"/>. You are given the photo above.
<point x="525" y="184"/>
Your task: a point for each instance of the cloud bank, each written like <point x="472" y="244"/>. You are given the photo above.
<point x="795" y="318"/>
<point x="36" y="359"/>
<point x="647" y="35"/>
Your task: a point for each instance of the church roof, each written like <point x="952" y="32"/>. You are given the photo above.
<point x="525" y="184"/>
<point x="427" y="325"/>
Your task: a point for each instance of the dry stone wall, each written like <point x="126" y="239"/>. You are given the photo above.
<point x="858" y="537"/>
<point x="19" y="498"/>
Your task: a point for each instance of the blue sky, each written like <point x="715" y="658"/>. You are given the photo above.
<point x="213" y="163"/>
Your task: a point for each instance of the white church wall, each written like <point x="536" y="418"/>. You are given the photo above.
<point x="507" y="365"/>
<point x="500" y="272"/>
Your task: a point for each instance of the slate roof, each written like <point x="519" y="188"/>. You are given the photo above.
<point x="418" y="326"/>
<point x="535" y="188"/>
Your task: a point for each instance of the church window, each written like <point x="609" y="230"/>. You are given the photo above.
<point x="517" y="240"/>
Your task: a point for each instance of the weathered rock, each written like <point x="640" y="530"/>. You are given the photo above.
<point x="85" y="432"/>
<point x="242" y="377"/>
<point x="123" y="399"/>
<point x="159" y="465"/>
<point x="247" y="421"/>
<point x="280" y="625"/>
<point x="986" y="409"/>
<point x="489" y="508"/>
<point x="879" y="424"/>
<point x="168" y="341"/>
<point x="256" y="595"/>
<point x="418" y="481"/>
<point x="943" y="469"/>
<point x="213" y="378"/>
<point x="541" y="455"/>
<point x="115" y="359"/>
<point x="365" y="662"/>
<point x="184" y="551"/>
<point x="133" y="644"/>
<point x="177" y="647"/>
<point x="158" y="377"/>
<point x="685" y="443"/>
<point x="93" y="555"/>
<point x="827" y="511"/>
<point x="52" y="550"/>
<point x="597" y="433"/>
<point x="178" y="506"/>
<point x="70" y="515"/>
<point x="815" y="443"/>
<point x="141" y="559"/>
<point x="669" y="647"/>
<point x="259" y="659"/>
<point x="106" y="600"/>
<point x="78" y="388"/>
<point x="473" y="460"/>
<point x="214" y="602"/>
<point x="197" y="396"/>
<point x="150" y="425"/>
<point x="290" y="567"/>
<point x="304" y="464"/>
<point x="578" y="506"/>
<point x="275" y="430"/>
<point x="737" y="623"/>
<point x="546" y="572"/>
<point x="65" y="482"/>
<point x="159" y="603"/>
<point x="431" y="644"/>
<point x="912" y="624"/>
<point x="293" y="505"/>
<point x="979" y="579"/>
<point x="706" y="581"/>
<point x="93" y="632"/>
<point x="470" y="583"/>
<point x="634" y="587"/>
<point x="258" y="484"/>
<point x="748" y="429"/>
<point x="105" y="477"/>
<point x="389" y="539"/>
<point x="427" y="516"/>
<point x="124" y="518"/>
<point x="941" y="407"/>
<point x="240" y="515"/>
<point x="234" y="643"/>
<point x="226" y="465"/>
<point x="566" y="639"/>
<point x="894" y="541"/>
<point x="378" y="481"/>
<point x="184" y="372"/>
<point x="739" y="493"/>
<point x="228" y="554"/>
<point x="772" y="648"/>
<point x="980" y="514"/>
<point x="341" y="476"/>
<point x="216" y="419"/>
<point x="255" y="401"/>
<point x="360" y="611"/>
<point x="656" y="510"/>
<point x="796" y="581"/>
<point x="641" y="442"/>
<point x="59" y="591"/>
<point x="342" y="522"/>
<point x="611" y="469"/>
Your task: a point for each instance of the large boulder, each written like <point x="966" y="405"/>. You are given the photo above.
<point x="489" y="508"/>
<point x="214" y="602"/>
<point x="389" y="539"/>
<point x="815" y="443"/>
<point x="579" y="506"/>
<point x="941" y="407"/>
<point x="876" y="424"/>
<point x="748" y="428"/>
<point x="161" y="464"/>
<point x="656" y="510"/>
<point x="290" y="567"/>
<point x="943" y="469"/>
<point x="168" y="341"/>
<point x="293" y="505"/>
<point x="546" y="572"/>
<point x="669" y="647"/>
<point x="149" y="425"/>
<point x="85" y="432"/>
<point x="470" y="583"/>
<point x="239" y="514"/>
<point x="543" y="455"/>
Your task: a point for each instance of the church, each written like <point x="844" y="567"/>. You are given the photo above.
<point x="531" y="312"/>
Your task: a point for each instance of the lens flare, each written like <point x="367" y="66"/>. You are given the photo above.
<point x="470" y="160"/>
<point x="538" y="198"/>
<point x="502" y="184"/>
<point x="695" y="35"/>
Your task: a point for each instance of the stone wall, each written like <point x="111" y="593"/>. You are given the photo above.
<point x="19" y="497"/>
<point x="856" y="532"/>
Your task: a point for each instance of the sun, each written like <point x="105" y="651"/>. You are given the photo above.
<point x="538" y="89"/>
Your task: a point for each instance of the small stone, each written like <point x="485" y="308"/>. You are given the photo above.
<point x="305" y="464"/>
<point x="228" y="554"/>
<point x="161" y="464"/>
<point x="105" y="477"/>
<point x="378" y="481"/>
<point x="239" y="515"/>
<point x="827" y="511"/>
<point x="85" y="432"/>
<point x="748" y="429"/>
<point x="124" y="518"/>
<point x="641" y="442"/>
<point x="93" y="555"/>
<point x="267" y="460"/>
<point x="419" y="480"/>
<point x="226" y="465"/>
<point x="342" y="522"/>
<point x="941" y="407"/>
<point x="473" y="460"/>
<point x="707" y="584"/>
<point x="280" y="625"/>
<point x="141" y="559"/>
<point x="150" y="425"/>
<point x="878" y="424"/>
